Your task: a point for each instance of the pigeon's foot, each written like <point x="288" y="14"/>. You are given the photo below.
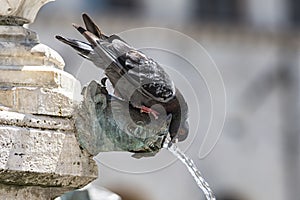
<point x="145" y="109"/>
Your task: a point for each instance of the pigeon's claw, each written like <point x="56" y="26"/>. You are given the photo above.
<point x="145" y="109"/>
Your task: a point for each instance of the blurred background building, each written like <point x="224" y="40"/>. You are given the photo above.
<point x="255" y="45"/>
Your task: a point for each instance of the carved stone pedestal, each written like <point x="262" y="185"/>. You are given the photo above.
<point x="39" y="155"/>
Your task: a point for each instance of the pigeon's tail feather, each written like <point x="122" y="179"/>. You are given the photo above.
<point x="82" y="48"/>
<point x="87" y="34"/>
<point x="85" y="50"/>
<point x="100" y="50"/>
<point x="92" y="27"/>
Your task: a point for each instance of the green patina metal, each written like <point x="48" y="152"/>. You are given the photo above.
<point x="105" y="123"/>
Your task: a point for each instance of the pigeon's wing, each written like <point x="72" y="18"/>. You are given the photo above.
<point x="154" y="82"/>
<point x="121" y="61"/>
<point x="141" y="72"/>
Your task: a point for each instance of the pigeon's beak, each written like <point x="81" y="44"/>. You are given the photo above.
<point x="183" y="132"/>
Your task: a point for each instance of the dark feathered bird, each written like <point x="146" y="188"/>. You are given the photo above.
<point x="136" y="78"/>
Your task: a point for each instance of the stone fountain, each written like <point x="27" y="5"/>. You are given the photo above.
<point x="40" y="156"/>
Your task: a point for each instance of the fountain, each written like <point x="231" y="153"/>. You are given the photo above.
<point x="111" y="122"/>
<point x="39" y="152"/>
<point x="99" y="131"/>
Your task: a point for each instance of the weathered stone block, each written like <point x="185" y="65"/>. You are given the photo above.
<point x="20" y="47"/>
<point x="35" y="121"/>
<point x="42" y="157"/>
<point x="36" y="100"/>
<point x="38" y="76"/>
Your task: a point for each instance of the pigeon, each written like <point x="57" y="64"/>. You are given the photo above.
<point x="136" y="78"/>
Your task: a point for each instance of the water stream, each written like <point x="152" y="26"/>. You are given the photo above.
<point x="192" y="168"/>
